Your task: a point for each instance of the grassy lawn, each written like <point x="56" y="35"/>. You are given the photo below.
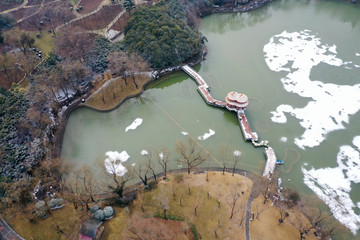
<point x="204" y="194"/>
<point x="201" y="206"/>
<point x="74" y="2"/>
<point x="45" y="42"/>
<point x="268" y="222"/>
<point x="111" y="93"/>
<point x="66" y="218"/>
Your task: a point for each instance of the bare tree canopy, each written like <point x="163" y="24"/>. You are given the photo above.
<point x="74" y="43"/>
<point x="163" y="159"/>
<point x="190" y="155"/>
<point x="124" y="65"/>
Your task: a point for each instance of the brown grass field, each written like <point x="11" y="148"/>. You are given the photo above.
<point x="212" y="216"/>
<point x="89" y="5"/>
<point x="99" y="19"/>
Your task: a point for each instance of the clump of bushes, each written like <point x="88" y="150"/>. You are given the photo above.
<point x="160" y="38"/>
<point x="102" y="215"/>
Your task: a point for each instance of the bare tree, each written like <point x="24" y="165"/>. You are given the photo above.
<point x="51" y="16"/>
<point x="163" y="159"/>
<point x="149" y="163"/>
<point x="19" y="39"/>
<point x="118" y="64"/>
<point x="190" y="154"/>
<point x="302" y="224"/>
<point x="224" y="154"/>
<point x="142" y="171"/>
<point x="7" y="65"/>
<point x="136" y="65"/>
<point x="265" y="186"/>
<point x="83" y="185"/>
<point x="283" y="214"/>
<point x="232" y="199"/>
<point x="74" y="43"/>
<point x="33" y="21"/>
<point x="115" y="180"/>
<point x="163" y="201"/>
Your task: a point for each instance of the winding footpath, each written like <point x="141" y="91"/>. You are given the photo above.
<point x="7" y="233"/>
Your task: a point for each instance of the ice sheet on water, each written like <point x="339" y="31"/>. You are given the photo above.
<point x="330" y="105"/>
<point x="237" y="153"/>
<point x="137" y="122"/>
<point x="144" y="152"/>
<point x="207" y="135"/>
<point x="333" y="185"/>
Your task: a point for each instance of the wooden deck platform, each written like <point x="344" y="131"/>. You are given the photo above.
<point x="245" y="127"/>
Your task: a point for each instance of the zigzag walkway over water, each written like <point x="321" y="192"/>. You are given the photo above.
<point x="236" y="102"/>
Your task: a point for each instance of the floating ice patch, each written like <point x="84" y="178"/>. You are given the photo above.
<point x="283" y="139"/>
<point x="137" y="122"/>
<point x="330" y="104"/>
<point x="133" y="164"/>
<point x="184" y="133"/>
<point x="161" y="155"/>
<point x="144" y="152"/>
<point x="333" y="185"/>
<point x="113" y="162"/>
<point x="237" y="153"/>
<point x="357" y="54"/>
<point x="206" y="135"/>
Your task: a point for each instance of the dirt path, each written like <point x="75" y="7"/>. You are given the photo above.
<point x="83" y="16"/>
<point x="15" y="8"/>
<point x="7" y="233"/>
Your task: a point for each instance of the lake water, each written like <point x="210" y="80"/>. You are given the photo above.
<point x="299" y="64"/>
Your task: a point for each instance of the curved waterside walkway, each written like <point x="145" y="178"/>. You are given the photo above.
<point x="248" y="134"/>
<point x="6" y="232"/>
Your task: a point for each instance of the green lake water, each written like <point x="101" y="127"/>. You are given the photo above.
<point x="236" y="61"/>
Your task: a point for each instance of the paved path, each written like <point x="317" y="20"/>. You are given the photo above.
<point x="7" y="233"/>
<point x="254" y="194"/>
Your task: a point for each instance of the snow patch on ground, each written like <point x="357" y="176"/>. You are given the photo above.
<point x="333" y="185"/>
<point x="330" y="104"/>
<point x="114" y="160"/>
<point x="207" y="135"/>
<point x="137" y="122"/>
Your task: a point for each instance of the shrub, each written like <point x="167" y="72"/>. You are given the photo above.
<point x="291" y="196"/>
<point x="108" y="211"/>
<point x="59" y="202"/>
<point x="99" y="215"/>
<point x="52" y="203"/>
<point x="94" y="208"/>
